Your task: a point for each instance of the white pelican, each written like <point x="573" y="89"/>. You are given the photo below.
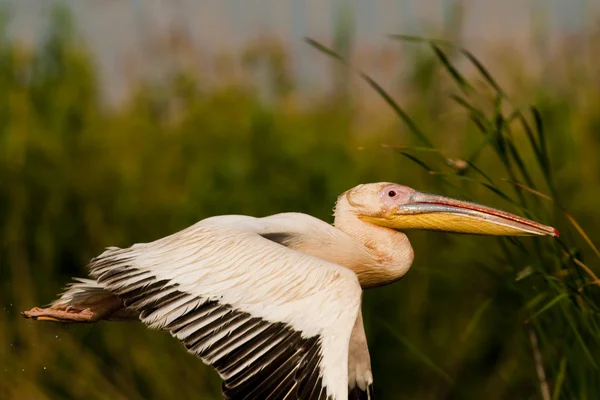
<point x="274" y="303"/>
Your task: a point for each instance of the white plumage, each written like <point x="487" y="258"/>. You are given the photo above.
<point x="273" y="304"/>
<point x="310" y="295"/>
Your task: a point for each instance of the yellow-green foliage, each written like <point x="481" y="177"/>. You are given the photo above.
<point x="75" y="178"/>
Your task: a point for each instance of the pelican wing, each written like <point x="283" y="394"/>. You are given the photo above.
<point x="360" y="377"/>
<point x="273" y="321"/>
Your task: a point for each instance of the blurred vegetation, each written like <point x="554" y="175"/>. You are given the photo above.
<point x="476" y="316"/>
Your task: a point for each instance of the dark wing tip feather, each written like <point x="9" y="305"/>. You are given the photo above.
<point x="358" y="394"/>
<point x="258" y="359"/>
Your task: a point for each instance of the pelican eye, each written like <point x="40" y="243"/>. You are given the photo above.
<point x="392" y="193"/>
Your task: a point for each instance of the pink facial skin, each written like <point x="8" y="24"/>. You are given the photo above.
<point x="395" y="195"/>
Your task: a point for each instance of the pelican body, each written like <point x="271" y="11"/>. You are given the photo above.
<point x="274" y="303"/>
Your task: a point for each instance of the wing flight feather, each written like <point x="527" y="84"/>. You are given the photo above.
<point x="274" y="322"/>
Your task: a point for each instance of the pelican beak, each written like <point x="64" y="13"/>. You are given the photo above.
<point x="431" y="212"/>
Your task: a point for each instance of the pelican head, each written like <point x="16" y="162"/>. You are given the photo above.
<point x="399" y="207"/>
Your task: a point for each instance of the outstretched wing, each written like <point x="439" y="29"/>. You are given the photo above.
<point x="274" y="322"/>
<point x="360" y="377"/>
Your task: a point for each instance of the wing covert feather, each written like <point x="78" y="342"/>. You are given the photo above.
<point x="274" y="322"/>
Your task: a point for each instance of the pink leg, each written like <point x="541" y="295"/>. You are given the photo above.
<point x="63" y="315"/>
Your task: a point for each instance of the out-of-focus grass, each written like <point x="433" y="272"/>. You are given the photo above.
<point x="469" y="320"/>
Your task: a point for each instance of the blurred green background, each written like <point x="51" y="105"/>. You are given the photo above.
<point x="475" y="317"/>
